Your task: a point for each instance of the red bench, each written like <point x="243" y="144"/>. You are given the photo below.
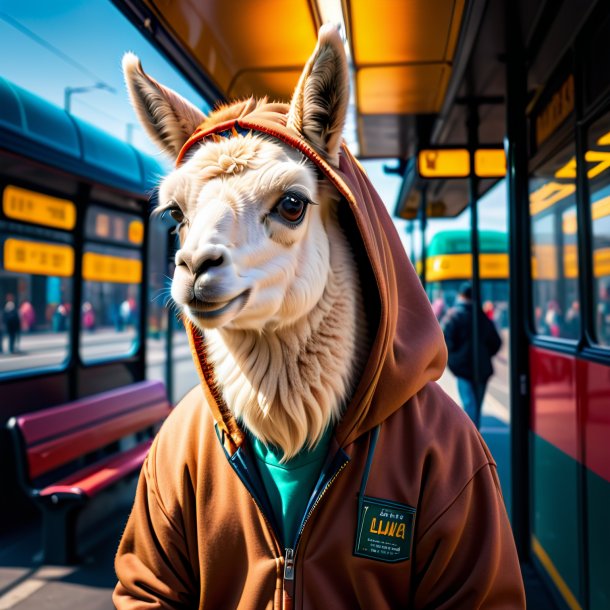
<point x="49" y="439"/>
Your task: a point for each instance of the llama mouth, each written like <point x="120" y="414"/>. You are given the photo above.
<point x="207" y="310"/>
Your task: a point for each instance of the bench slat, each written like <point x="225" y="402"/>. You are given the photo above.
<point x="93" y="479"/>
<point x="47" y="456"/>
<point x="60" y="421"/>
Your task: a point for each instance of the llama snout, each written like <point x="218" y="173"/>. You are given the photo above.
<point x="201" y="260"/>
<point x="211" y="272"/>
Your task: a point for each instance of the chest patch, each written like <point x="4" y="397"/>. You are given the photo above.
<point x="385" y="530"/>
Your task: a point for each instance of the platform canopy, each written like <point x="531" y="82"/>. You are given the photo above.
<point x="402" y="54"/>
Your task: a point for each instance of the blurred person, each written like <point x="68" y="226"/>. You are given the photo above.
<point x="88" y="316"/>
<point x="10" y="317"/>
<point x="552" y="318"/>
<point x="60" y="318"/>
<point x="572" y="321"/>
<point x="457" y="327"/>
<point x="125" y="313"/>
<point x="27" y="316"/>
<point x="489" y="310"/>
<point x="539" y="322"/>
<point x="438" y="307"/>
<point x="603" y="315"/>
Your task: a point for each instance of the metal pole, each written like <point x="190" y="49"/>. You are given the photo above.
<point x="423" y="218"/>
<point x="75" y="365"/>
<point x="411" y="234"/>
<point x="472" y="123"/>
<point x="516" y="162"/>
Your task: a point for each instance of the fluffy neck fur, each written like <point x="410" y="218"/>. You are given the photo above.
<point x="287" y="385"/>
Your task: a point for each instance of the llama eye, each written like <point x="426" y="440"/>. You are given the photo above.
<point x="175" y="212"/>
<point x="291" y="207"/>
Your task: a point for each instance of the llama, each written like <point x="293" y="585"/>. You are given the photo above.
<point x="383" y="494"/>
<point x="264" y="269"/>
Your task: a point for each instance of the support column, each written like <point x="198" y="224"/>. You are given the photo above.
<point x="518" y="215"/>
<point x="472" y="124"/>
<point x="423" y="219"/>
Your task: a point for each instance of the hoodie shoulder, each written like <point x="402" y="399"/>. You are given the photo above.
<point x="443" y="448"/>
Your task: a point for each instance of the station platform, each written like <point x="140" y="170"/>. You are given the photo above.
<point x="26" y="584"/>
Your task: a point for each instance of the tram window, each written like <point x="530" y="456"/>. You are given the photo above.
<point x="598" y="174"/>
<point x="554" y="247"/>
<point x="35" y="302"/>
<point x="111" y="302"/>
<point x="112" y="226"/>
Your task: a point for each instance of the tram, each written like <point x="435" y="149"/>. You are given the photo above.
<point x="529" y="78"/>
<point x="449" y="263"/>
<point x="76" y="269"/>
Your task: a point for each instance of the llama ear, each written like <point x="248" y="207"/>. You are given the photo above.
<point x="166" y="116"/>
<point x="319" y="104"/>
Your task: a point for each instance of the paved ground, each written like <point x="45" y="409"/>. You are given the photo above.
<point x="25" y="584"/>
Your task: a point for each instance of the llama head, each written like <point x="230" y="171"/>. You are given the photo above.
<point x="254" y="251"/>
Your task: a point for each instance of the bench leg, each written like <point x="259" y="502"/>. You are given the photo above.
<point x="59" y="533"/>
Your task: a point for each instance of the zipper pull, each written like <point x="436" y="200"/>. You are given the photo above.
<point x="289" y="565"/>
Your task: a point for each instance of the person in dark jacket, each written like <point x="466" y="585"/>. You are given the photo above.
<point x="10" y="316"/>
<point x="457" y="327"/>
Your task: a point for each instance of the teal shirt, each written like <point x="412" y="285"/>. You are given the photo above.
<point x="290" y="485"/>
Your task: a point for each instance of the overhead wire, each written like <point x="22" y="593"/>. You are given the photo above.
<point x="49" y="47"/>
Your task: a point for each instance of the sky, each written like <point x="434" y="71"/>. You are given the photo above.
<point x="48" y="45"/>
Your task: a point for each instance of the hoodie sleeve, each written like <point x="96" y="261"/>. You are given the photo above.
<point x="152" y="563"/>
<point x="466" y="558"/>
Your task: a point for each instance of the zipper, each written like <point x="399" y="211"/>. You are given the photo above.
<point x="289" y="556"/>
<point x="290" y="553"/>
<point x="289" y="564"/>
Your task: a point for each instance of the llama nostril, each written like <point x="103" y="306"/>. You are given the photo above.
<point x="206" y="265"/>
<point x="184" y="258"/>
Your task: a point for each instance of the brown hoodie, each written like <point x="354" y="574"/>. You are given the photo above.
<point x="408" y="511"/>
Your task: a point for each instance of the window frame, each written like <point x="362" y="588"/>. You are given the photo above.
<point x="137" y="350"/>
<point x="16" y="228"/>
<point x="592" y="349"/>
<point x="564" y="138"/>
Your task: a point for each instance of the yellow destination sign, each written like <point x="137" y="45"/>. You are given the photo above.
<point x="455" y="163"/>
<point x="490" y="163"/>
<point x="115" y="269"/>
<point x="443" y="163"/>
<point x="459" y="267"/>
<point x="38" y="258"/>
<point x="135" y="231"/>
<point x="37" y="208"/>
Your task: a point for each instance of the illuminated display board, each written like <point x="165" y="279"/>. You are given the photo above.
<point x="29" y="206"/>
<point x="39" y="258"/>
<point x="455" y="163"/>
<point x="135" y="232"/>
<point x="443" y="163"/>
<point x="490" y="163"/>
<point x="110" y="225"/>
<point x="115" y="269"/>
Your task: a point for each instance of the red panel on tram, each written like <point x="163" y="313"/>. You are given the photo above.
<point x="554" y="414"/>
<point x="594" y="379"/>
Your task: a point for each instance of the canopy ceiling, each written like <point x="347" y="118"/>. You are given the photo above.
<point x="402" y="53"/>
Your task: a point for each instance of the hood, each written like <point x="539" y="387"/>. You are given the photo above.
<point x="408" y="349"/>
